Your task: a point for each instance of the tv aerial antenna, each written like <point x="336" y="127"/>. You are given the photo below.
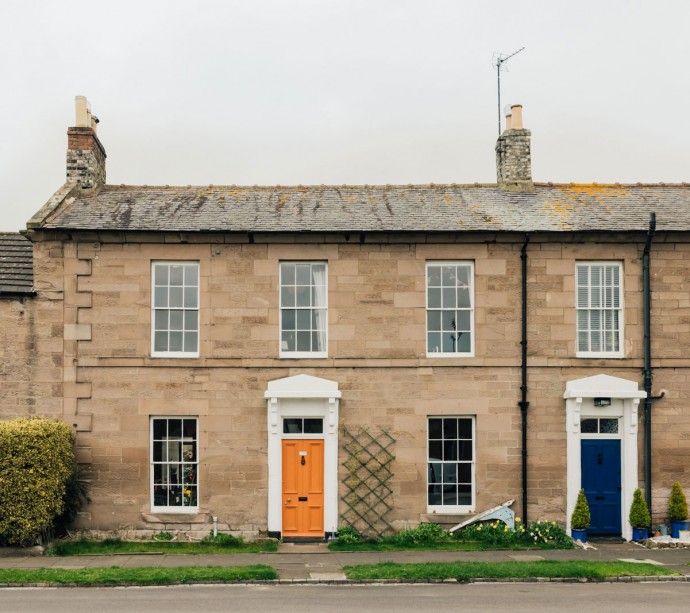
<point x="499" y="61"/>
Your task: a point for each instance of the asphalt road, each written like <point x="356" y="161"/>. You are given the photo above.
<point x="325" y="598"/>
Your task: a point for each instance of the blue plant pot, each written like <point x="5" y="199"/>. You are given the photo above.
<point x="640" y="534"/>
<point x="579" y="535"/>
<point x="676" y="527"/>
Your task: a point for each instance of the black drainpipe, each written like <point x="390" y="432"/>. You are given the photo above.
<point x="524" y="404"/>
<point x="648" y="376"/>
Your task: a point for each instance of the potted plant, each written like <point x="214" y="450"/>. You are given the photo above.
<point x="677" y="510"/>
<point x="639" y="517"/>
<point x="579" y="520"/>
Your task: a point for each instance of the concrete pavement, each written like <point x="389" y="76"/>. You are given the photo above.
<point x="313" y="562"/>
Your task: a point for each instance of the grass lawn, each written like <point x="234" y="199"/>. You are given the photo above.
<point x="471" y="570"/>
<point x="137" y="576"/>
<point x="115" y="546"/>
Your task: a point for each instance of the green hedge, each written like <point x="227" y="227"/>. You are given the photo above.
<point x="36" y="459"/>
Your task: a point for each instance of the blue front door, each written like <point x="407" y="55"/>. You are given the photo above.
<point x="601" y="480"/>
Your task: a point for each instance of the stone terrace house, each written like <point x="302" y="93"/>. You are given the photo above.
<point x="221" y="351"/>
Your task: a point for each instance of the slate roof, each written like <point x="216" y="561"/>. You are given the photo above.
<point x="413" y="208"/>
<point x="16" y="264"/>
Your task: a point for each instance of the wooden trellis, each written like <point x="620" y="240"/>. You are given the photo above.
<point x="368" y="489"/>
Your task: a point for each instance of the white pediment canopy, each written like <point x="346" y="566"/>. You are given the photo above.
<point x="602" y="386"/>
<point x="302" y="386"/>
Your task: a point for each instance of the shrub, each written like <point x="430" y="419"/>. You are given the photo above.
<point x="499" y="534"/>
<point x="677" y="504"/>
<point x="348" y="534"/>
<point x="639" y="513"/>
<point x="580" y="519"/>
<point x="36" y="460"/>
<point x="423" y="534"/>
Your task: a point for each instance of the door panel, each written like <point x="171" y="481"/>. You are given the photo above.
<point x="601" y="480"/>
<point x="303" y="488"/>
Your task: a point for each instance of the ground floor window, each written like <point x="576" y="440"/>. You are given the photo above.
<point x="450" y="463"/>
<point x="174" y="464"/>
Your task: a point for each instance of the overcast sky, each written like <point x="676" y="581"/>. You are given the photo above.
<point x="340" y="91"/>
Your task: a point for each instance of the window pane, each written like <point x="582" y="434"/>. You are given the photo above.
<point x="434" y="275"/>
<point x="588" y="426"/>
<point x="287" y="296"/>
<point x="303" y="319"/>
<point x="158" y="451"/>
<point x="465" y="451"/>
<point x="288" y="341"/>
<point x="161" y="320"/>
<point x="450" y="473"/>
<point x="160" y="274"/>
<point x="608" y="426"/>
<point x="191" y="274"/>
<point x="448" y="320"/>
<point x="303" y="274"/>
<point x="464" y="342"/>
<point x="465" y="429"/>
<point x="463" y="273"/>
<point x="190" y="297"/>
<point x="189" y="429"/>
<point x="175" y="341"/>
<point x="434" y="342"/>
<point x="160" y="341"/>
<point x="450" y="495"/>
<point x="433" y="320"/>
<point x="435" y="428"/>
<point x="435" y="450"/>
<point x="450" y="427"/>
<point x="303" y="296"/>
<point x="435" y="472"/>
<point x="313" y="426"/>
<point x="448" y="275"/>
<point x="160" y="297"/>
<point x="176" y="274"/>
<point x="464" y="298"/>
<point x="160" y="429"/>
<point x="191" y="342"/>
<point x="435" y="496"/>
<point x="450" y="451"/>
<point x="449" y="341"/>
<point x="176" y="320"/>
<point x="292" y="426"/>
<point x="463" y="320"/>
<point x="176" y="297"/>
<point x="303" y="341"/>
<point x="434" y="298"/>
<point x="287" y="274"/>
<point x="174" y="428"/>
<point x="191" y="320"/>
<point x="449" y="297"/>
<point x="465" y="494"/>
<point x="464" y="473"/>
<point x="288" y="319"/>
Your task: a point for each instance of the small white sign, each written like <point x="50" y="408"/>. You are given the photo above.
<point x="303" y="453"/>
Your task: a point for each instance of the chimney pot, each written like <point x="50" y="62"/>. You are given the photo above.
<point x="516" y="123"/>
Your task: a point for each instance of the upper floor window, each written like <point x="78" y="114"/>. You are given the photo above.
<point x="449" y="309"/>
<point x="599" y="309"/>
<point x="303" y="310"/>
<point x="175" y="309"/>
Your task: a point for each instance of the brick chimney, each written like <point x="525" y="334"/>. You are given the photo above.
<point x="85" y="153"/>
<point x="513" y="154"/>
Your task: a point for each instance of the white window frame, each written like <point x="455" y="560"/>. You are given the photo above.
<point x="152" y="463"/>
<point x="441" y="354"/>
<point x="154" y="308"/>
<point x="301" y="354"/>
<point x="453" y="509"/>
<point x="620" y="352"/>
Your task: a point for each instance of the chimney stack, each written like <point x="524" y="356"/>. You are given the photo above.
<point x="85" y="153"/>
<point x="513" y="154"/>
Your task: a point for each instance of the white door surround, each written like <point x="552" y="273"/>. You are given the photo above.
<point x="309" y="397"/>
<point x="579" y="404"/>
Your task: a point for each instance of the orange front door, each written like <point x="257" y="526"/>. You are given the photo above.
<point x="303" y="488"/>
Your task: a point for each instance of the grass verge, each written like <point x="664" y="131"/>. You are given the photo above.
<point x="138" y="576"/>
<point x="463" y="571"/>
<point x="117" y="546"/>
